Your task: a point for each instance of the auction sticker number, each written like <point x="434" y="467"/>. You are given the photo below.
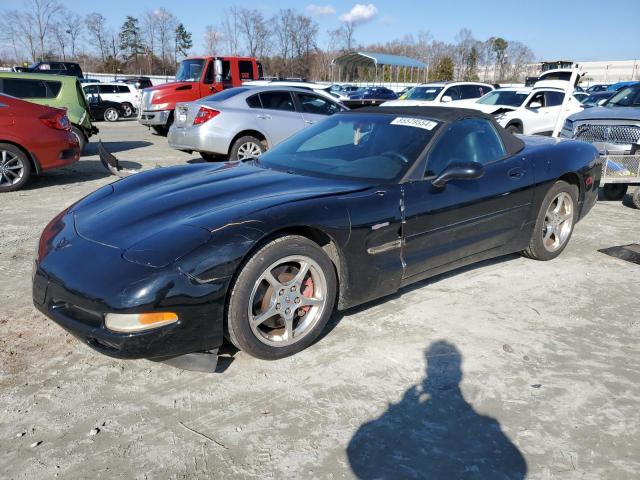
<point x="414" y="122"/>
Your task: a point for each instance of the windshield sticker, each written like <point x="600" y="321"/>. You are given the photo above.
<point x="414" y="122"/>
<point x="430" y="90"/>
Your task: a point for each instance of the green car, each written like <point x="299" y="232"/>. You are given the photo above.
<point x="55" y="91"/>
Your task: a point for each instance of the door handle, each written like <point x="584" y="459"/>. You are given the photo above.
<point x="516" y="172"/>
<point x="264" y="117"/>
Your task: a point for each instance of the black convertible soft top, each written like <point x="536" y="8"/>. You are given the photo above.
<point x="447" y="115"/>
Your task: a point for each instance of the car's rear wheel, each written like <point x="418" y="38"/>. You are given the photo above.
<point x="161" y="130"/>
<point x="15" y="168"/>
<point x="514" y="128"/>
<point x="111" y="114"/>
<point x="554" y="225"/>
<point x="282" y="298"/>
<point x="127" y="110"/>
<point x="82" y="140"/>
<point x="614" y="191"/>
<point x="246" y="147"/>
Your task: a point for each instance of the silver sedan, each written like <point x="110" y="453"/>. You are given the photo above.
<point x="243" y="122"/>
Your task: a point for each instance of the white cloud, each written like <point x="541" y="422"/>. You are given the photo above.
<point x="319" y="10"/>
<point x="360" y="13"/>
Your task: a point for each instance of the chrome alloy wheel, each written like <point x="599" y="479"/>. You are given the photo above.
<point x="249" y="150"/>
<point x="558" y="222"/>
<point x="11" y="168"/>
<point x="127" y="110"/>
<point x="287" y="301"/>
<point x="111" y="115"/>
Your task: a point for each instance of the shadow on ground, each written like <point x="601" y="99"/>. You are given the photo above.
<point x="434" y="433"/>
<point x="82" y="171"/>
<point x="113" y="147"/>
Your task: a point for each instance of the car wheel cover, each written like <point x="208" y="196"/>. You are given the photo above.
<point x="287" y="301"/>
<point x="249" y="150"/>
<point x="11" y="169"/>
<point x="127" y="110"/>
<point x="558" y="222"/>
<point x="112" y="115"/>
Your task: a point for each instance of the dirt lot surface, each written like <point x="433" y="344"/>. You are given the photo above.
<point x="509" y="369"/>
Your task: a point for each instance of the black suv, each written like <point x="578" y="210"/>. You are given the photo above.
<point x="53" y="68"/>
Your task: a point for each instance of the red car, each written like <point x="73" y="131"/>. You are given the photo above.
<point x="33" y="139"/>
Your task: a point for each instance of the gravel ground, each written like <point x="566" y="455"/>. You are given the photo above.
<point x="509" y="369"/>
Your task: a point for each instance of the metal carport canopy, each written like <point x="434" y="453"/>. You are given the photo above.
<point x="373" y="59"/>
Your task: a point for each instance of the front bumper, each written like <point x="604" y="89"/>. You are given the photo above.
<point x="79" y="281"/>
<point x="154" y="117"/>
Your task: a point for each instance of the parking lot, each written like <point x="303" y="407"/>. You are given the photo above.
<point x="540" y="359"/>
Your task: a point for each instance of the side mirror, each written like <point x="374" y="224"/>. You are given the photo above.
<point x="217" y="70"/>
<point x="446" y="99"/>
<point x="459" y="171"/>
<point x="535" y="105"/>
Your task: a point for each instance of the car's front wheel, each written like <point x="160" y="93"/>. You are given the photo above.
<point x="554" y="224"/>
<point x="111" y="115"/>
<point x="282" y="298"/>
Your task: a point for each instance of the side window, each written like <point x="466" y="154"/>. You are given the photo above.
<point x="53" y="88"/>
<point x="254" y="101"/>
<point x="226" y="70"/>
<point x="107" y="89"/>
<point x="537" y="98"/>
<point x="24" y="88"/>
<point x="123" y="89"/>
<point x="246" y="70"/>
<point x="91" y="89"/>
<point x="452" y="92"/>
<point x="316" y="105"/>
<point x="467" y="140"/>
<point x="553" y="99"/>
<point x="208" y="76"/>
<point x="44" y="66"/>
<point x="472" y="91"/>
<point x="277" y="101"/>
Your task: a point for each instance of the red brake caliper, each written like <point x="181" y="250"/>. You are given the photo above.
<point x="307" y="291"/>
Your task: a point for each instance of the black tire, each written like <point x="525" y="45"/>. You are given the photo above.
<point x="536" y="249"/>
<point x="239" y="330"/>
<point x="212" y="157"/>
<point x="161" y="130"/>
<point x="244" y="143"/>
<point x="614" y="191"/>
<point x="79" y="134"/>
<point x="635" y="198"/>
<point x="514" y="128"/>
<point x="127" y="110"/>
<point x="17" y="163"/>
<point x="111" y="114"/>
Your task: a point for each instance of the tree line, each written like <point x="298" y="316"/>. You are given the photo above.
<point x="287" y="43"/>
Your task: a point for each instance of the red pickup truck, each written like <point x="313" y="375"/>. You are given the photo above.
<point x="197" y="77"/>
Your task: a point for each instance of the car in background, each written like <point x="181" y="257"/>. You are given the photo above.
<point x="53" y="68"/>
<point x="435" y="93"/>
<point x="597" y="87"/>
<point x="244" y="122"/>
<point x="318" y="88"/>
<point x="525" y="110"/>
<point x="620" y="85"/>
<point x="33" y="139"/>
<point x="580" y="95"/>
<point x="597" y="98"/>
<point x="614" y="129"/>
<point x="138" y="82"/>
<point x="88" y="80"/>
<point x="102" y="109"/>
<point x="345" y="212"/>
<point x="59" y="91"/>
<point x="373" y="93"/>
<point x="124" y="94"/>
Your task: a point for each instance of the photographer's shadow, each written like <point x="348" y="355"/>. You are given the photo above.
<point x="434" y="433"/>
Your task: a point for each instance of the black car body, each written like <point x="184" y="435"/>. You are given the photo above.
<point x="99" y="107"/>
<point x="53" y="68"/>
<point x="179" y="238"/>
<point x="373" y="93"/>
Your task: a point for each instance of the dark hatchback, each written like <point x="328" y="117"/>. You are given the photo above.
<point x="171" y="261"/>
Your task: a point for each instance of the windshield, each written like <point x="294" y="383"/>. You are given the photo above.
<point x="627" y="97"/>
<point x="504" y="97"/>
<point x="422" y="93"/>
<point x="190" y="70"/>
<point x="377" y="148"/>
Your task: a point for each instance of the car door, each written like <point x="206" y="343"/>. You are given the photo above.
<point x="452" y="92"/>
<point x="278" y="117"/>
<point x="553" y="104"/>
<point x="447" y="226"/>
<point x="315" y="108"/>
<point x="536" y="115"/>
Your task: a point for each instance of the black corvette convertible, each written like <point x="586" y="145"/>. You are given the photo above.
<point x="171" y="261"/>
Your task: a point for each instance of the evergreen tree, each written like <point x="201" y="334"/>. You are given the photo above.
<point x="444" y="69"/>
<point x="130" y="41"/>
<point x="183" y="41"/>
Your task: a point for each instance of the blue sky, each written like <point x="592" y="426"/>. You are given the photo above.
<point x="553" y="29"/>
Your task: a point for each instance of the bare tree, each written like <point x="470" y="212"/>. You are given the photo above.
<point x="345" y="36"/>
<point x="166" y="24"/>
<point x="19" y="29"/>
<point x="60" y="35"/>
<point x="43" y="13"/>
<point x="231" y="30"/>
<point x="149" y="33"/>
<point x="253" y="27"/>
<point x="97" y="28"/>
<point x="73" y="28"/>
<point x="211" y="40"/>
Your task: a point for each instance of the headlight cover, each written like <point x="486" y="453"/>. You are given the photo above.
<point x="138" y="322"/>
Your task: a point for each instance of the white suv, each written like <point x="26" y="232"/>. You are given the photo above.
<point x="115" y="92"/>
<point x="437" y="93"/>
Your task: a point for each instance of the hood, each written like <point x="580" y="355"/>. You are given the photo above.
<point x="169" y="93"/>
<point x="190" y="198"/>
<point x="607" y="113"/>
